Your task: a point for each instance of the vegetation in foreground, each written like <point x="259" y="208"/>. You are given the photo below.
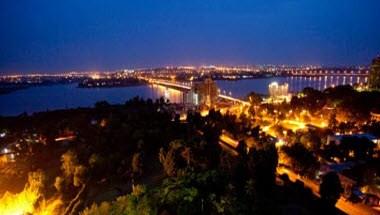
<point x="139" y="158"/>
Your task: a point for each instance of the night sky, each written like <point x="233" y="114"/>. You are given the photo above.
<point x="67" y="35"/>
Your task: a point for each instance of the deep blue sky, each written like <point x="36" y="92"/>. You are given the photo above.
<point x="66" y="35"/>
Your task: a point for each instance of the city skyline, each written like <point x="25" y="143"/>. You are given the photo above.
<point x="189" y="107"/>
<point x="73" y="36"/>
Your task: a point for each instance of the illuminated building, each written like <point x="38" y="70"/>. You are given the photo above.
<point x="191" y="98"/>
<point x="202" y="93"/>
<point x="374" y="75"/>
<point x="278" y="92"/>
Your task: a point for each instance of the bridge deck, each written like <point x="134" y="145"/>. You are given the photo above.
<point x="182" y="86"/>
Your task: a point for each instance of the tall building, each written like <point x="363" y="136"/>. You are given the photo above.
<point x="202" y="93"/>
<point x="278" y="92"/>
<point x="374" y="74"/>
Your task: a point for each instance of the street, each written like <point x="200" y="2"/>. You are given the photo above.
<point x="342" y="204"/>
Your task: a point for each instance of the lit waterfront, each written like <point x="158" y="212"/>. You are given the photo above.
<point x="53" y="97"/>
<point x="240" y="88"/>
<point x="323" y="82"/>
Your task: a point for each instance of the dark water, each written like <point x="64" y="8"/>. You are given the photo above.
<point x="69" y="96"/>
<point x="241" y="88"/>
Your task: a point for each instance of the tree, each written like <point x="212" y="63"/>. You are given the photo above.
<point x="330" y="188"/>
<point x="311" y="141"/>
<point x="36" y="180"/>
<point x="79" y="175"/>
<point x="138" y="202"/>
<point x="313" y="100"/>
<point x="254" y="179"/>
<point x="103" y="208"/>
<point x="69" y="161"/>
<point x="255" y="100"/>
<point x="96" y="164"/>
<point x="167" y="161"/>
<point x="59" y="183"/>
<point x="332" y="122"/>
<point x="101" y="105"/>
<point x="137" y="164"/>
<point x="72" y="170"/>
<point x="175" y="159"/>
<point x="302" y="159"/>
<point x="374" y="75"/>
<point x="262" y="165"/>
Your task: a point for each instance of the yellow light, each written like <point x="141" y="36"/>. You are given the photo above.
<point x="95" y="76"/>
<point x="27" y="202"/>
<point x="226" y="139"/>
<point x="280" y="143"/>
<point x="183" y="117"/>
<point x="265" y="128"/>
<point x="204" y="113"/>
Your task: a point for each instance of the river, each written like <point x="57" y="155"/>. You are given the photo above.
<point x="54" y="97"/>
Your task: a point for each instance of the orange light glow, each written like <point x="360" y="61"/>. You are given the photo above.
<point x="28" y="202"/>
<point x="280" y="143"/>
<point x="95" y="76"/>
<point x="204" y="113"/>
<point x="228" y="140"/>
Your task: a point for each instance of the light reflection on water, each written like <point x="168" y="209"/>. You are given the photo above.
<point x="296" y="83"/>
<point x="69" y="96"/>
<point x="172" y="95"/>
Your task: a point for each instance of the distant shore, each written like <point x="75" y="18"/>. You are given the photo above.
<point x="110" y="83"/>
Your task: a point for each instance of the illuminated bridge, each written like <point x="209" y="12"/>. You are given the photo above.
<point x="183" y="86"/>
<point x="328" y="72"/>
<point x="186" y="86"/>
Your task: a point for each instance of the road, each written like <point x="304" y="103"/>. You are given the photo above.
<point x="345" y="206"/>
<point x="342" y="204"/>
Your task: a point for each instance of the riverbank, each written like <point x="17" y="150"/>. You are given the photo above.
<point x="111" y="83"/>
